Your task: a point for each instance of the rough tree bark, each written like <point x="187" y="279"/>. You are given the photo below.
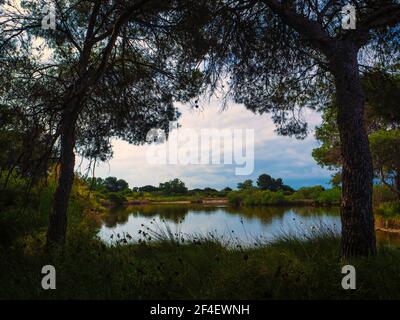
<point x="358" y="231"/>
<point x="56" y="233"/>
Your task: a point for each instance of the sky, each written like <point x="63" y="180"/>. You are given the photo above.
<point x="280" y="157"/>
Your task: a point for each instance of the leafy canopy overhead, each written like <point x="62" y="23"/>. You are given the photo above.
<point x="125" y="62"/>
<point x="277" y="55"/>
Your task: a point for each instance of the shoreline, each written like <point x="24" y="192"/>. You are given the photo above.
<point x="380" y="223"/>
<point x="388" y="230"/>
<point x="304" y="202"/>
<point x="152" y="202"/>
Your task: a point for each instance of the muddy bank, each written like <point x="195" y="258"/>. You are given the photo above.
<point x="387" y="225"/>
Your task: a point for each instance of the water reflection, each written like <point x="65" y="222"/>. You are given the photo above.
<point x="237" y="223"/>
<point x="388" y="238"/>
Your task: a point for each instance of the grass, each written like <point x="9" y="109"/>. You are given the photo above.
<point x="197" y="268"/>
<point x="167" y="269"/>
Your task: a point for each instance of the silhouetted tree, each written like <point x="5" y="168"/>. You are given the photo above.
<point x="245" y="185"/>
<point x="109" y="69"/>
<point x="266" y="182"/>
<point x="172" y="187"/>
<point x="148" y="188"/>
<point x="113" y="184"/>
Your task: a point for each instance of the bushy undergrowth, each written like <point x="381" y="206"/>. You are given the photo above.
<point x="28" y="212"/>
<point x="256" y="197"/>
<point x="116" y="198"/>
<point x="315" y="195"/>
<point x="330" y="196"/>
<point x="389" y="210"/>
<point x="383" y="194"/>
<point x="309" y="193"/>
<point x="170" y="268"/>
<point x="286" y="269"/>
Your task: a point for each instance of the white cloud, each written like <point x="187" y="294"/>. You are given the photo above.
<point x="279" y="156"/>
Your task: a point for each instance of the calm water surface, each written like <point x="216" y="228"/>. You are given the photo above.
<point x="231" y="224"/>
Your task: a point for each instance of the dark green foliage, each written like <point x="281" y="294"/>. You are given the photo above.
<point x="116" y="198"/>
<point x="389" y="210"/>
<point x="382" y="90"/>
<point x="148" y="189"/>
<point x="147" y="79"/>
<point x="247" y="184"/>
<point x="311" y="193"/>
<point x="23" y="213"/>
<point x="266" y="182"/>
<point x="23" y="143"/>
<point x="316" y="195"/>
<point x="287" y="269"/>
<point x="254" y="197"/>
<point x="109" y="184"/>
<point x="173" y="187"/>
<point x="266" y="197"/>
<point x="382" y="120"/>
<point x="383" y="193"/>
<point x="115" y="185"/>
<point x="330" y="196"/>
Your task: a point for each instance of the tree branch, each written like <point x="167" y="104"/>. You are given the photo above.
<point x="386" y="16"/>
<point x="308" y="29"/>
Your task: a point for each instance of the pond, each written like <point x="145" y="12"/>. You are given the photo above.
<point x="231" y="225"/>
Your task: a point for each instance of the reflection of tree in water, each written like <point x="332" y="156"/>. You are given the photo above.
<point x="388" y="238"/>
<point x="176" y="213"/>
<point x="267" y="213"/>
<point x="264" y="214"/>
<point x="173" y="213"/>
<point x="117" y="216"/>
<point x="315" y="211"/>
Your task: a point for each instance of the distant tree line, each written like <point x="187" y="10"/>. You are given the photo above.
<point x="265" y="182"/>
<point x="169" y="188"/>
<point x="178" y="187"/>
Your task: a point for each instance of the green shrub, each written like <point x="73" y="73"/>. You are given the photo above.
<point x="252" y="197"/>
<point x="309" y="193"/>
<point x="15" y="192"/>
<point x="116" y="198"/>
<point x="330" y="196"/>
<point x="270" y="197"/>
<point x="256" y="197"/>
<point x="389" y="210"/>
<point x="235" y="198"/>
<point x="382" y="194"/>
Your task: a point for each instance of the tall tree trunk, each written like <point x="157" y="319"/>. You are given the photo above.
<point x="56" y="233"/>
<point x="358" y="231"/>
